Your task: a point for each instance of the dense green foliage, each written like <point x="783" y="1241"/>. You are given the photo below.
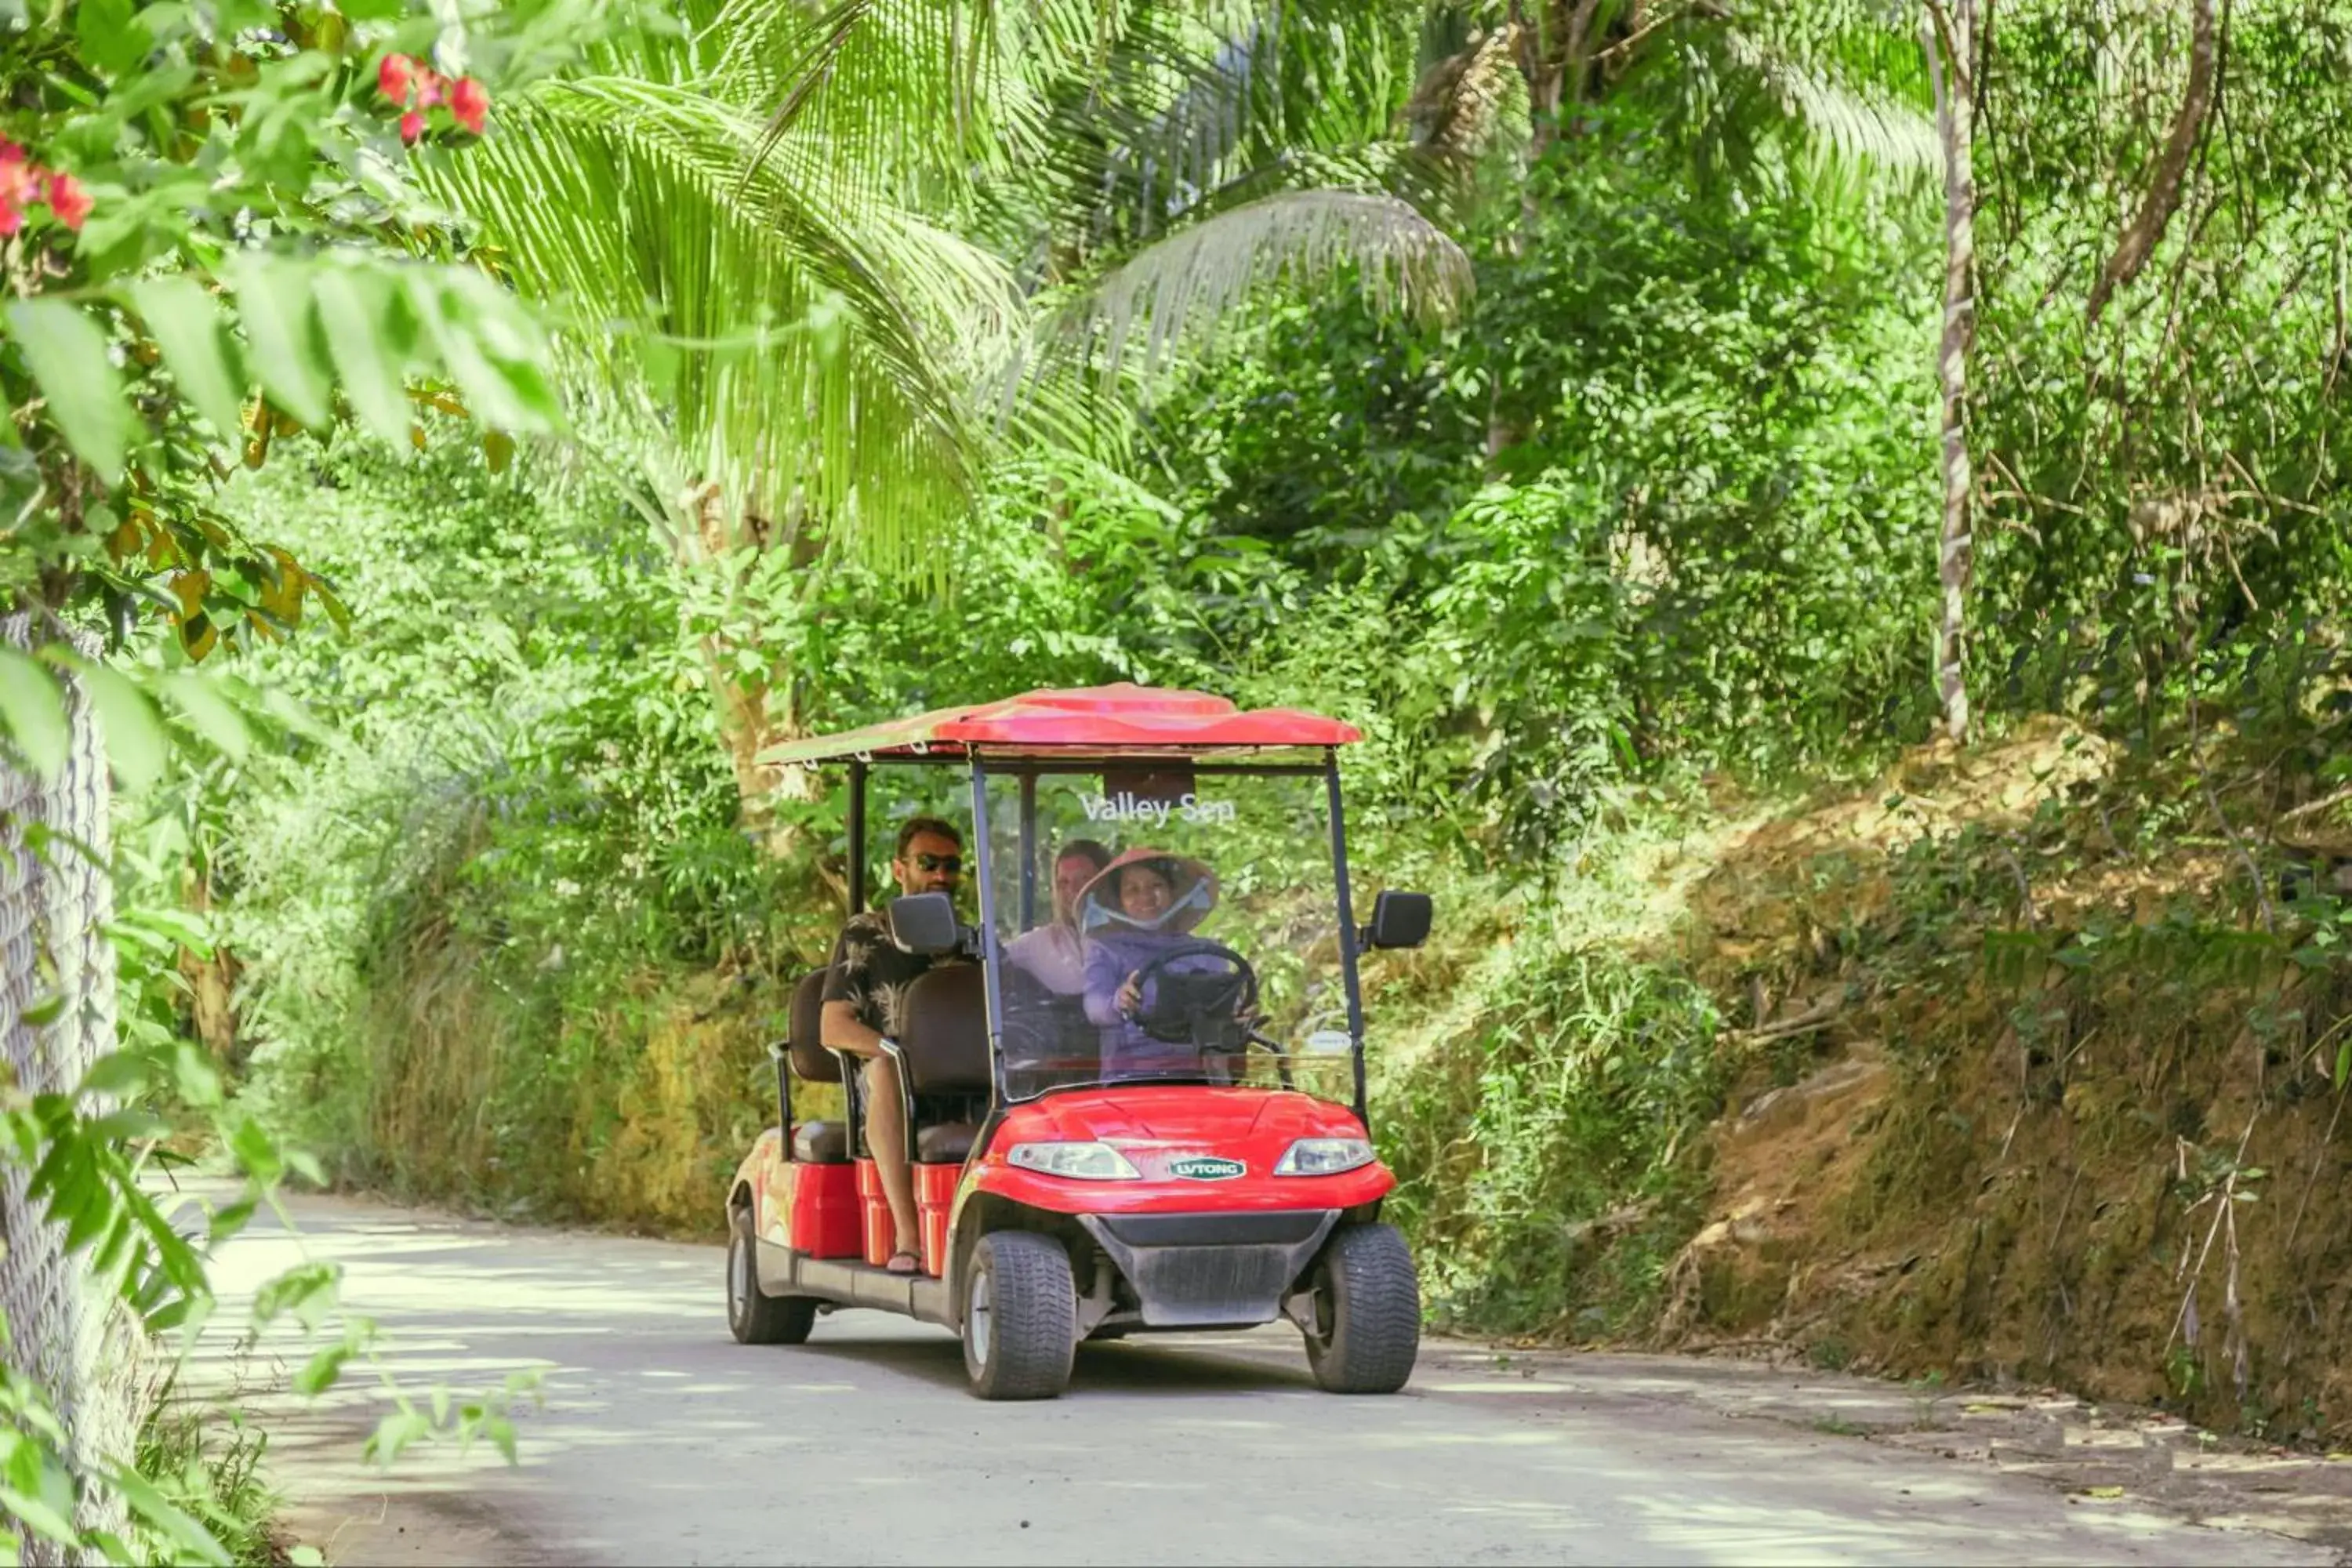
<point x="1659" y="500"/>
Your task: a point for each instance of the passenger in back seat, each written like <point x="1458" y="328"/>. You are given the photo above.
<point x="864" y="1004"/>
<point x="1053" y="952"/>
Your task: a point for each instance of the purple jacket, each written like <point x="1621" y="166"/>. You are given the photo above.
<point x="1112" y="955"/>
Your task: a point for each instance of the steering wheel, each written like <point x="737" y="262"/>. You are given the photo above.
<point x="1205" y="1002"/>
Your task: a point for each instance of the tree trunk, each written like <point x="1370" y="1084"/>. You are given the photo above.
<point x="2139" y="240"/>
<point x="753" y="713"/>
<point x="1949" y="38"/>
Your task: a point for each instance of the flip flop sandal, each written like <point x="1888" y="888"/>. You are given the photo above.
<point x="914" y="1260"/>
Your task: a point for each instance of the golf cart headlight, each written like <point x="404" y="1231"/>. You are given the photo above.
<point x="1083" y="1162"/>
<point x="1324" y="1157"/>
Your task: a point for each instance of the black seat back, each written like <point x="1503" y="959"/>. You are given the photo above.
<point x="804" y="1042"/>
<point x="945" y="1033"/>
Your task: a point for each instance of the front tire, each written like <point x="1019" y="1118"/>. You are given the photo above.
<point x="1367" y="1329"/>
<point x="753" y="1317"/>
<point x="1020" y="1317"/>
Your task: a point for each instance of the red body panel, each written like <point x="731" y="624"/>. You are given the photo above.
<point x="813" y="1209"/>
<point x="1153" y="1125"/>
<point x="935" y="1190"/>
<point x="878" y="1230"/>
<point x="821" y="1210"/>
<point x="1121" y="715"/>
<point x="935" y="1187"/>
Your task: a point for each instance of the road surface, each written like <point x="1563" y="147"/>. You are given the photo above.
<point x="660" y="1440"/>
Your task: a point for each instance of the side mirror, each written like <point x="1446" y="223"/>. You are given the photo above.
<point x="1399" y="921"/>
<point x="925" y="923"/>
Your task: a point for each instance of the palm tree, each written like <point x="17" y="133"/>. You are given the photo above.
<point x="819" y="255"/>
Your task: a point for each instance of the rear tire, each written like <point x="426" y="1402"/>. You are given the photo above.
<point x="753" y="1318"/>
<point x="1367" y="1329"/>
<point x="1020" y="1317"/>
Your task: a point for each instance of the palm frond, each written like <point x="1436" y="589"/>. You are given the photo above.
<point x="1860" y="124"/>
<point x="1182" y="289"/>
<point x="783" y="341"/>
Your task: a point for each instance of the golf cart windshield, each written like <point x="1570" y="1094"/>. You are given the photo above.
<point x="1158" y="924"/>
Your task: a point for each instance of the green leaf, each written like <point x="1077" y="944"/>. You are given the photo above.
<point x="257" y="1151"/>
<point x="136" y="741"/>
<point x="112" y="36"/>
<point x="66" y="352"/>
<point x="357" y="306"/>
<point x="42" y="1513"/>
<point x="33" y="711"/>
<point x="319" y="1372"/>
<point x="185" y="322"/>
<point x="123" y="1126"/>
<point x="118" y="1073"/>
<point x="490" y="346"/>
<point x="209" y="712"/>
<point x="394" y="1433"/>
<point x="273" y="300"/>
<point x="160" y="1516"/>
<point x="231" y="1218"/>
<point x="290" y="711"/>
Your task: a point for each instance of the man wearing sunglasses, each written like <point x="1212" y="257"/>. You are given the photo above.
<point x="865" y="999"/>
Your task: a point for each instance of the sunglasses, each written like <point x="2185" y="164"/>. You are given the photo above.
<point x="952" y="864"/>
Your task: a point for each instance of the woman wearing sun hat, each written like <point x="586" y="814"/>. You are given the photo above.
<point x="1141" y="906"/>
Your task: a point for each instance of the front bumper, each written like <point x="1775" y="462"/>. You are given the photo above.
<point x="1220" y="1270"/>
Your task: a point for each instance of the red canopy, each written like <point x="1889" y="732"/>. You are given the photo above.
<point x="1118" y="718"/>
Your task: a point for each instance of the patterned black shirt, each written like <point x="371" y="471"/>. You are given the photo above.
<point x="871" y="972"/>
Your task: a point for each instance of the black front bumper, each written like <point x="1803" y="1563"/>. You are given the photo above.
<point x="1211" y="1270"/>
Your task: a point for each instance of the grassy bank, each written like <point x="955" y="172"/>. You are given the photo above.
<point x="2010" y="1066"/>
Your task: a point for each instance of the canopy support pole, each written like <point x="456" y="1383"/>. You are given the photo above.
<point x="1346" y="930"/>
<point x="1029" y="850"/>
<point x="858" y="838"/>
<point x="990" y="956"/>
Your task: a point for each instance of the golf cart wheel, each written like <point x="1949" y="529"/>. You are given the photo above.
<point x="1367" y="1312"/>
<point x="753" y="1318"/>
<point x="1020" y="1317"/>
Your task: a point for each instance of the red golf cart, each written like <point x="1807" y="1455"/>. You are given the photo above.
<point x="1177" y="1144"/>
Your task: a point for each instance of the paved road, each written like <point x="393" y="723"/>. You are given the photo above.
<point x="662" y="1441"/>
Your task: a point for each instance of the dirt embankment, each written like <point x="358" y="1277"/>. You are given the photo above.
<point x="2031" y="1087"/>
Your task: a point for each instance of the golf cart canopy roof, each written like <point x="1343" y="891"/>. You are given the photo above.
<point x="1124" y="720"/>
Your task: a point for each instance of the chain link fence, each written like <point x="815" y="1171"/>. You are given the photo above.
<point x="56" y="898"/>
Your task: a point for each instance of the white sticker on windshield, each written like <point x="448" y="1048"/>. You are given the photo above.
<point x="1335" y="1041"/>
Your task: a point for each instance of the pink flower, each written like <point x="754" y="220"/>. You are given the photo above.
<point x="20" y="183"/>
<point x="412" y="126"/>
<point x="11" y="154"/>
<point x="392" y="77"/>
<point x="428" y="89"/>
<point x="68" y="201"/>
<point x="12" y="217"/>
<point x="470" y="102"/>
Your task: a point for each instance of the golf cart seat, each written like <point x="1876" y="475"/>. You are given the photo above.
<point x="945" y="1143"/>
<point x="946" y="1050"/>
<point x="815" y="1142"/>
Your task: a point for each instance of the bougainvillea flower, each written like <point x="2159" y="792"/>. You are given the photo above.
<point x="428" y="89"/>
<point x="20" y="183"/>
<point x="11" y="154"/>
<point x="392" y="78"/>
<point x="12" y="217"/>
<point x="470" y="104"/>
<point x="68" y="201"/>
<point x="412" y="126"/>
